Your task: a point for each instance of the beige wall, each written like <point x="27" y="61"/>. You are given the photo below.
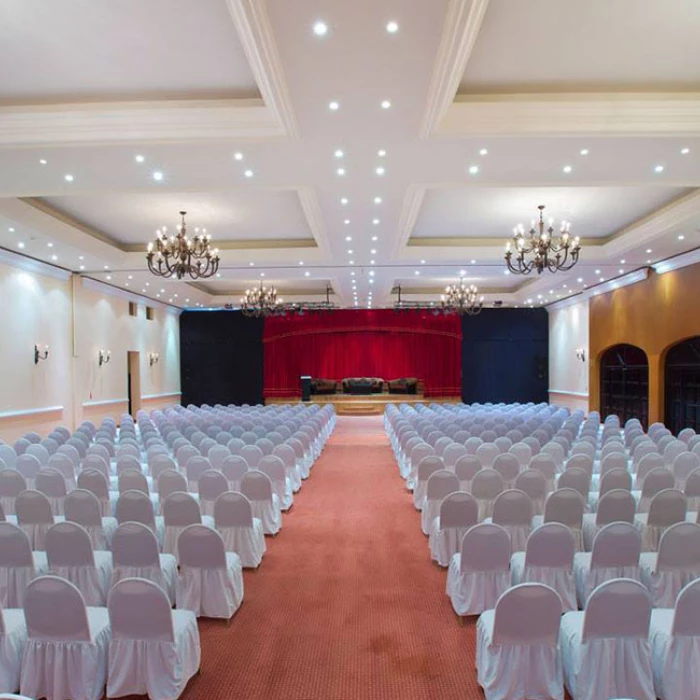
<point x="76" y="318"/>
<point x="568" y="376"/>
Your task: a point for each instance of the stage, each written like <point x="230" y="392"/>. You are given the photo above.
<point x="364" y="405"/>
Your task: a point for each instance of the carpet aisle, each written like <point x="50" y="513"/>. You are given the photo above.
<point x="347" y="604"/>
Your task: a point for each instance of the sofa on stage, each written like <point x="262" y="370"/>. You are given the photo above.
<point x="362" y="386"/>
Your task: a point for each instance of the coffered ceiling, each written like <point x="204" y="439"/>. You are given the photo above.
<point x="356" y="157"/>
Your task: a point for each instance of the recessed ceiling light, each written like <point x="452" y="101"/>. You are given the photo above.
<point x="473" y="169"/>
<point x="352" y="274"/>
<point x="157" y="176"/>
<point x="685" y="151"/>
<point x="307" y="274"/>
<point x="248" y="173"/>
<point x="602" y="279"/>
<point x="648" y="250"/>
<point x="422" y="262"/>
<point x="238" y="156"/>
<point x="597" y="272"/>
<point x="579" y="280"/>
<point x="346" y="221"/>
<point x="54" y="257"/>
<point x="130" y="277"/>
<point x="148" y="284"/>
<point x="262" y="274"/>
<point x="139" y="158"/>
<point x="416" y="272"/>
<point x="375" y="222"/>
<point x="483" y="152"/>
<point x="20" y="244"/>
<point x="106" y="267"/>
<point x="187" y="301"/>
<point x="350" y="251"/>
<point x="334" y="106"/>
<point x="473" y="262"/>
<point x="320" y="28"/>
<point x="681" y="237"/>
<point x="621" y="271"/>
<point x="338" y="153"/>
<point x="371" y="262"/>
<point x="301" y="262"/>
<point x="380" y="170"/>
<point x="343" y="200"/>
<point x="386" y="104"/>
<point x="648" y="262"/>
<point x="373" y="251"/>
<point x="658" y="168"/>
<point x="375" y="238"/>
<point x="49" y="244"/>
<point x="43" y="161"/>
<point x="381" y="153"/>
<point x="11" y="229"/>
<point x="392" y="27"/>
<point x="68" y="178"/>
<point x="348" y="238"/>
<point x="82" y="267"/>
<point x="377" y="200"/>
<point x="109" y="277"/>
<point x="584" y="151"/>
<point x="81" y="257"/>
<point x="340" y="171"/>
<point x="218" y="274"/>
<point x="371" y="273"/>
<point x="567" y="168"/>
<point x="126" y="284"/>
<point x="251" y="264"/>
<point x="351" y="262"/>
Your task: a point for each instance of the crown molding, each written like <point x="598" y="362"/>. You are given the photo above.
<point x="677" y="262"/>
<point x="161" y="121"/>
<point x="412" y="202"/>
<point x="37" y="267"/>
<point x="22" y="413"/>
<point x="255" y="32"/>
<point x="461" y="28"/>
<point x="573" y="114"/>
<point x="104" y="402"/>
<point x="240" y="244"/>
<point x="603" y="288"/>
<point x="111" y="290"/>
<point x="314" y="217"/>
<point x="496" y="242"/>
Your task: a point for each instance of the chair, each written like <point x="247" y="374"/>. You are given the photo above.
<point x="13" y="639"/>
<point x="617" y="505"/>
<point x="545" y="463"/>
<point x="130" y="479"/>
<point x="281" y="485"/>
<point x="517" y="650"/>
<point x="70" y="555"/>
<point x="656" y="480"/>
<point x="564" y="506"/>
<point x="486" y="453"/>
<point x="252" y="455"/>
<point x="508" y="467"/>
<point x="533" y="482"/>
<point x="485" y="486"/>
<point x="211" y="485"/>
<point x="28" y="466"/>
<point x="170" y="482"/>
<point x="691" y="491"/>
<point x="673" y="635"/>
<point x="196" y="466"/>
<point x="605" y="649"/>
<point x="18" y="565"/>
<point x="288" y="457"/>
<point x="441" y="483"/>
<point x="480" y="572"/>
<point x="257" y="487"/>
<point x="134" y="506"/>
<point x="466" y="468"/>
<point x="233" y="468"/>
<point x="548" y="559"/>
<point x="676" y="564"/>
<point x="180" y="509"/>
<point x="154" y="650"/>
<point x="95" y="482"/>
<point x="667" y="508"/>
<point x="66" y="653"/>
<point x="513" y="511"/>
<point x="615" y="554"/>
<point x="683" y="465"/>
<point x="82" y="507"/>
<point x="211" y="579"/>
<point x="135" y="555"/>
<point x="34" y="516"/>
<point x="522" y="452"/>
<point x="458" y="512"/>
<point x="12" y="483"/>
<point x="426" y="468"/>
<point x="240" y="531"/>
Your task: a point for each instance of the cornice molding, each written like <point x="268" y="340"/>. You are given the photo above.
<point x="573" y="114"/>
<point x="314" y="217"/>
<point x="22" y="413"/>
<point x="255" y="32"/>
<point x="163" y="121"/>
<point x="104" y="288"/>
<point x="24" y="262"/>
<point x="240" y="244"/>
<point x="461" y="28"/>
<point x="412" y="202"/>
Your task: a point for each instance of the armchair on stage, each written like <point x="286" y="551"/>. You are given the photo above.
<point x="363" y="385"/>
<point x="366" y="385"/>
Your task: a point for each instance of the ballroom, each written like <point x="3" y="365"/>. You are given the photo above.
<point x="350" y="350"/>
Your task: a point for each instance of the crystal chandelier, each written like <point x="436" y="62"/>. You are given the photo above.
<point x="180" y="256"/>
<point x="462" y="298"/>
<point x="261" y="301"/>
<point x="547" y="251"/>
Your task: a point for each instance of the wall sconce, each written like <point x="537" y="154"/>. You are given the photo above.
<point x="581" y="354"/>
<point x="39" y="355"/>
<point x="153" y="358"/>
<point x="104" y="357"/>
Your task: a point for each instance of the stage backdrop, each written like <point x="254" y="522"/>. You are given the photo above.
<point x="361" y="343"/>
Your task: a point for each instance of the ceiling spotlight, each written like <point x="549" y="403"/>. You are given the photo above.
<point x="483" y="152"/>
<point x="20" y="244"/>
<point x="350" y="251"/>
<point x="130" y="277"/>
<point x="49" y="244"/>
<point x="320" y="28"/>
<point x="684" y="152"/>
<point x="579" y="280"/>
<point x="139" y="158"/>
<point x="373" y="251"/>
<point x="473" y="262"/>
<point x="11" y="229"/>
<point x="371" y="262"/>
<point x="386" y="104"/>
<point x="82" y="267"/>
<point x="584" y="151"/>
<point x="473" y="169"/>
<point x="377" y="200"/>
<point x="333" y="106"/>
<point x="307" y="274"/>
<point x="81" y="257"/>
<point x="251" y="264"/>
<point x="157" y="176"/>
<point x="462" y="273"/>
<point x="392" y="27"/>
<point x="346" y="221"/>
<point x="567" y="168"/>
<point x="380" y="170"/>
<point x="422" y="262"/>
<point x="238" y="156"/>
<point x="597" y="272"/>
<point x="109" y="277"/>
<point x="416" y="272"/>
<point x="381" y="153"/>
<point x="248" y="173"/>
<point x="301" y="262"/>
<point x="348" y="238"/>
<point x="351" y="262"/>
<point x="658" y="168"/>
<point x="375" y="222"/>
<point x="648" y="250"/>
<point x="338" y="153"/>
<point x="681" y="237"/>
<point x="68" y="178"/>
<point x="340" y="171"/>
<point x="43" y="161"/>
<point x="371" y="273"/>
<point x="343" y="200"/>
<point x="375" y="238"/>
<point x="54" y="257"/>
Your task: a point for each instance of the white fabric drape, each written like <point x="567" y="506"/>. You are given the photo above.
<point x="561" y="580"/>
<point x="587" y="579"/>
<point x="674" y="659"/>
<point x="430" y="511"/>
<point x="11" y="648"/>
<point x="155" y="668"/>
<point x="516" y="672"/>
<point x="247" y="542"/>
<point x="75" y="670"/>
<point x="165" y="576"/>
<point x="91" y="581"/>
<point x="172" y="532"/>
<point x="473" y="592"/>
<point x="15" y="579"/>
<point x="269" y="514"/>
<point x="211" y="592"/>
<point x="664" y="585"/>
<point x="604" y="668"/>
<point x="445" y="543"/>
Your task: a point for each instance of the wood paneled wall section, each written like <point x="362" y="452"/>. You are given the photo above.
<point x="654" y="315"/>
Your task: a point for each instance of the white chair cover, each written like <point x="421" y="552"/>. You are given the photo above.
<point x="440" y="483"/>
<point x="154" y="650"/>
<point x="13" y="639"/>
<point x="257" y="488"/>
<point x="18" y="565"/>
<point x="426" y="468"/>
<point x="281" y="484"/>
<point x="605" y="650"/>
<point x="517" y="653"/>
<point x="666" y="508"/>
<point x="66" y="653"/>
<point x="240" y="531"/>
<point x="82" y="507"/>
<point x="513" y="510"/>
<point x="211" y="579"/>
<point x="35" y="517"/>
<point x="180" y="510"/>
<point x="485" y="486"/>
<point x="615" y="506"/>
<point x="458" y="512"/>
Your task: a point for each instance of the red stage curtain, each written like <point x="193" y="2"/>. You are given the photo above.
<point x="360" y="343"/>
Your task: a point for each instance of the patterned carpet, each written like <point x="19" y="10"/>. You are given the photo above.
<point x="347" y="604"/>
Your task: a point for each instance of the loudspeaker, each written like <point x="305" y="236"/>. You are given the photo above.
<point x="541" y="368"/>
<point x="305" y="388"/>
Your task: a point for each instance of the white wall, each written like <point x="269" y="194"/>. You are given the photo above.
<point x="76" y="318"/>
<point x="568" y="376"/>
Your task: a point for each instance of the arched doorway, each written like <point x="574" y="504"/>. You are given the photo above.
<point x="682" y="372"/>
<point x="624" y="383"/>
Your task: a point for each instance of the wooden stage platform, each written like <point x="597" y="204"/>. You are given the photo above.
<point x="364" y="405"/>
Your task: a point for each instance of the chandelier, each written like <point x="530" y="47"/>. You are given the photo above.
<point x="547" y="251"/>
<point x="462" y="298"/>
<point x="180" y="256"/>
<point x="260" y="301"/>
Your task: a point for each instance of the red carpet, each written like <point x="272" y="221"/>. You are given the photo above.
<point x="347" y="604"/>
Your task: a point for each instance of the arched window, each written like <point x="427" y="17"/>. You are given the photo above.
<point x="682" y="372"/>
<point x="624" y="383"/>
